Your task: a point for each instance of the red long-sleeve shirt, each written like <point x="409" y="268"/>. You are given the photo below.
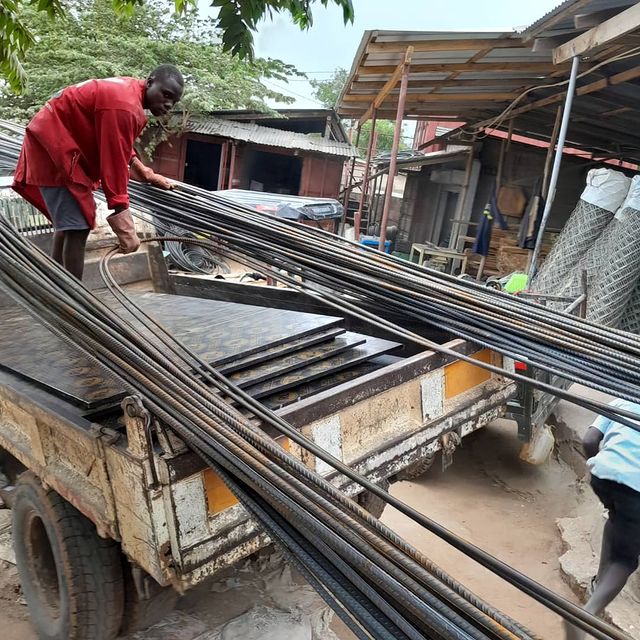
<point x="81" y="138"/>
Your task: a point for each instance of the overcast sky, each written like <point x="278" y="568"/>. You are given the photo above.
<point x="329" y="44"/>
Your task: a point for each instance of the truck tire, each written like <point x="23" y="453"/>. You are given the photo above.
<point x="417" y="468"/>
<point x="144" y="610"/>
<point x="371" y="502"/>
<point x="71" y="578"/>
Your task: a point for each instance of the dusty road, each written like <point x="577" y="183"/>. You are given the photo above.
<point x="488" y="496"/>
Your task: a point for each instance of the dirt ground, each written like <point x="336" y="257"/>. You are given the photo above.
<point x="489" y="496"/>
<point x="505" y="506"/>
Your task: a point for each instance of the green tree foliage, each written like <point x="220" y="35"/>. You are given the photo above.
<point x="384" y="129"/>
<point x="328" y="93"/>
<point x="91" y="42"/>
<point x="236" y="21"/>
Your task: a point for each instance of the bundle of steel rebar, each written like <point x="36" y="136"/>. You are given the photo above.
<point x="377" y="583"/>
<point x="379" y="289"/>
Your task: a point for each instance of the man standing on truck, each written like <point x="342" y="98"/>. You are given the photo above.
<point x="613" y="452"/>
<point x="83" y="138"/>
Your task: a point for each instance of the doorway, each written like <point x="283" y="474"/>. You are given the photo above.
<point x="202" y="164"/>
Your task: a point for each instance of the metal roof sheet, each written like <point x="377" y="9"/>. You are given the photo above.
<point x="495" y="69"/>
<point x="251" y="132"/>
<point x="480" y="69"/>
<point x="561" y="19"/>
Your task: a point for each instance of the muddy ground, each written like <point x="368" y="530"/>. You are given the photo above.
<point x="488" y="496"/>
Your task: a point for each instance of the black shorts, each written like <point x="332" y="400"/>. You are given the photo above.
<point x="64" y="210"/>
<point x="623" y="504"/>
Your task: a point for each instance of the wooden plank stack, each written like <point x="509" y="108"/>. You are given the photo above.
<point x="505" y="256"/>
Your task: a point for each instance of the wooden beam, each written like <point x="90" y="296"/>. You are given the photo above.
<point x="479" y="67"/>
<point x="598" y="85"/>
<point x="467" y="113"/>
<point x="421" y="115"/>
<point x="616" y="112"/>
<point x="606" y="32"/>
<point x="375" y="85"/>
<point x="389" y="86"/>
<point x="548" y="44"/>
<point x="435" y="107"/>
<point x="445" y="45"/>
<point x="438" y="97"/>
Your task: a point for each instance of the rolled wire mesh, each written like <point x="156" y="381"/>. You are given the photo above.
<point x="604" y="193"/>
<point x="591" y="263"/>
<point x="631" y="317"/>
<point x="584" y="226"/>
<point x="614" y="284"/>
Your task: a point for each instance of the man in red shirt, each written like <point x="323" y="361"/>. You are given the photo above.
<point x="83" y="138"/>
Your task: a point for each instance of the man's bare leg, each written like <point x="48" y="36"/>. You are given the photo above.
<point x="605" y="551"/>
<point x="75" y="242"/>
<point x="57" y="246"/>
<point x="610" y="584"/>
<point x="611" y="579"/>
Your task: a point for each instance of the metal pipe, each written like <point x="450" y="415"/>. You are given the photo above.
<point x="215" y="378"/>
<point x="112" y="351"/>
<point x="404" y="83"/>
<point x="557" y="161"/>
<point x="357" y="220"/>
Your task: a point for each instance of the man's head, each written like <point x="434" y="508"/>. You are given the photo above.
<point x="163" y="89"/>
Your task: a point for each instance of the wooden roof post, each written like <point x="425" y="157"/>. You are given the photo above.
<point x="350" y="178"/>
<point x="357" y="219"/>
<point x="396" y="145"/>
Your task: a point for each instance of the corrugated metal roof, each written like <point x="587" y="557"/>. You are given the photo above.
<point x="251" y="132"/>
<point x="472" y="77"/>
<point x="452" y="73"/>
<point x="292" y="116"/>
<point x="560" y="19"/>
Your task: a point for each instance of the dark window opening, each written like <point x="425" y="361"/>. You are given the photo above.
<point x="202" y="164"/>
<point x="272" y="172"/>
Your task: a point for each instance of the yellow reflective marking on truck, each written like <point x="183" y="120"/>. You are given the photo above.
<point x="461" y="376"/>
<point x="219" y="496"/>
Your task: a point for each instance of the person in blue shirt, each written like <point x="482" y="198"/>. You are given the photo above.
<point x="613" y="453"/>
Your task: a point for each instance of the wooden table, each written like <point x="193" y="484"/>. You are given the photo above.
<point x="426" y="250"/>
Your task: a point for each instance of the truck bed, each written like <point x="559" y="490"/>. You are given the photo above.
<point x="276" y="355"/>
<point x="369" y="401"/>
